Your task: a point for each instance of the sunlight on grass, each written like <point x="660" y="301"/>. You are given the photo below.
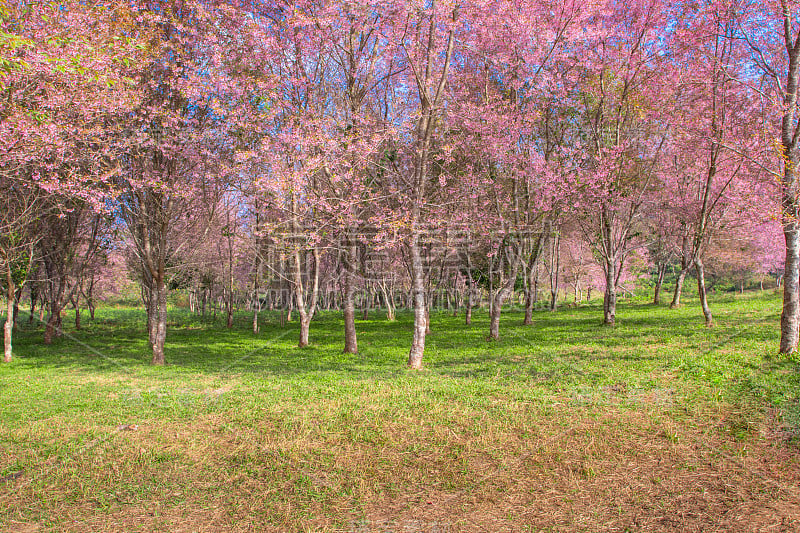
<point x="242" y="431"/>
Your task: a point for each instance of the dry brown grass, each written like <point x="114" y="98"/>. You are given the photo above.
<point x="572" y="469"/>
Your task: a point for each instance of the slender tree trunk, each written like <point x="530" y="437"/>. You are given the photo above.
<point x="418" y="292"/>
<point x="17" y="296"/>
<point x="528" y="320"/>
<point x="532" y="287"/>
<point x="514" y="263"/>
<point x="554" y="271"/>
<point x="390" y="316"/>
<point x="305" y="319"/>
<point x="349" y="313"/>
<point x="676" y="297"/>
<point x="54" y="325"/>
<point x="151" y="307"/>
<point x="90" y="298"/>
<point x="256" y="309"/>
<point x="470" y="289"/>
<point x="34" y="296"/>
<point x="427" y="317"/>
<point x="160" y="325"/>
<point x="256" y="283"/>
<point x="77" y="315"/>
<point x="429" y="103"/>
<point x="610" y="297"/>
<point x="497" y="304"/>
<point x="790" y="317"/>
<point x="8" y="329"/>
<point x="701" y="290"/>
<point x="662" y="269"/>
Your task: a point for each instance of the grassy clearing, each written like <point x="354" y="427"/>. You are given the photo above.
<point x="656" y="425"/>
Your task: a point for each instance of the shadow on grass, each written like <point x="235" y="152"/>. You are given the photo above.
<point x="203" y="345"/>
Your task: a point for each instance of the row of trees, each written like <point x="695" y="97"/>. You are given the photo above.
<point x="400" y="145"/>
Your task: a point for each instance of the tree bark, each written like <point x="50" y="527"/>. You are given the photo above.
<point x="499" y="299"/>
<point x="532" y="286"/>
<point x="676" y="297"/>
<point x="662" y="269"/>
<point x="8" y="329"/>
<point x="555" y="260"/>
<point x="34" y="296"/>
<point x="790" y="316"/>
<point x="350" y="264"/>
<point x="418" y="291"/>
<point x="90" y="300"/>
<point x="470" y="289"/>
<point x="610" y="297"/>
<point x="349" y="313"/>
<point x="701" y="290"/>
<point x="160" y="326"/>
<point x="530" y="294"/>
<point x="390" y="315"/>
<point x="54" y="325"/>
<point x="790" y="324"/>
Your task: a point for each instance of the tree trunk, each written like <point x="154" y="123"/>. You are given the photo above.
<point x="662" y="269"/>
<point x="418" y="291"/>
<point x="90" y="298"/>
<point x="389" y="301"/>
<point x="8" y="329"/>
<point x="256" y="309"/>
<point x="17" y="296"/>
<point x="530" y="292"/>
<point x="500" y="298"/>
<point x="256" y="285"/>
<point x="555" y="260"/>
<point x="54" y="325"/>
<point x="790" y="317"/>
<point x="305" y="326"/>
<point x="427" y="318"/>
<point x="34" y="296"/>
<point x="701" y="290"/>
<point x="610" y="297"/>
<point x="468" y="310"/>
<point x="349" y="314"/>
<point x="159" y="322"/>
<point x="676" y="297"/>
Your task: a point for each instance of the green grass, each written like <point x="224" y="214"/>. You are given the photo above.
<point x="563" y="425"/>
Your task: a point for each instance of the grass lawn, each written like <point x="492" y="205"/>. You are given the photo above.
<point x="658" y="424"/>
